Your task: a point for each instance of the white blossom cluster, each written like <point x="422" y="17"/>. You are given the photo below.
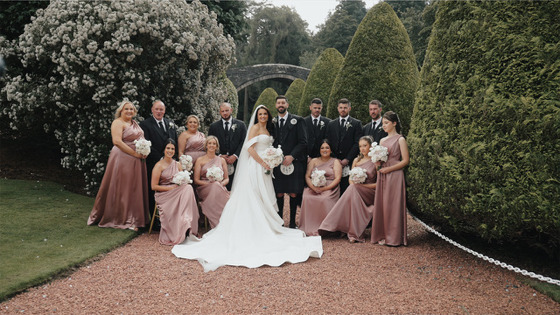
<point x="186" y="162"/>
<point x="358" y="175"/>
<point x="181" y="178"/>
<point x="215" y="174"/>
<point x="318" y="178"/>
<point x="82" y="57"/>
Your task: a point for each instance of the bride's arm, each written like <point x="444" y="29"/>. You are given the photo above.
<point x="252" y="152"/>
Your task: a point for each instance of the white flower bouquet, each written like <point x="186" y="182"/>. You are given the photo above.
<point x="318" y="178"/>
<point x="273" y="157"/>
<point x="186" y="162"/>
<point x="378" y="153"/>
<point x="181" y="178"/>
<point x="215" y="174"/>
<point x="358" y="175"/>
<point x="143" y="146"/>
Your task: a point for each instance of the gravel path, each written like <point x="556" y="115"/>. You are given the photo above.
<point x="428" y="276"/>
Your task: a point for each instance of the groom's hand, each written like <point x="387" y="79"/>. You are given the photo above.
<point x="288" y="159"/>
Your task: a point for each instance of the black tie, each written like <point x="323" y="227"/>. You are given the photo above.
<point x="281" y="123"/>
<point x="315" y="122"/>
<point x="227" y="126"/>
<point x="342" y="122"/>
<point x="161" y="125"/>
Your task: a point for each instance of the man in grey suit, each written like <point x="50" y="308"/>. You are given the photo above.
<point x="316" y="128"/>
<point x="375" y="127"/>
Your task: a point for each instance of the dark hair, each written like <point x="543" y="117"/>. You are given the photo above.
<point x="269" y="124"/>
<point x="170" y="141"/>
<point x="368" y="139"/>
<point x="376" y="102"/>
<point x="344" y="101"/>
<point x="282" y="97"/>
<point x="393" y="117"/>
<point x="329" y="143"/>
<point x="317" y="101"/>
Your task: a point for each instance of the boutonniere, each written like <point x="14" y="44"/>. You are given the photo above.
<point x="348" y="125"/>
<point x="293" y="121"/>
<point x="321" y="125"/>
<point x="233" y="127"/>
<point x="172" y="125"/>
<point x="274" y="120"/>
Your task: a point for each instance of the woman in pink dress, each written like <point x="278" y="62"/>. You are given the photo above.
<point x="191" y="141"/>
<point x="122" y="199"/>
<point x="212" y="193"/>
<point x="389" y="213"/>
<point x="178" y="212"/>
<point x="317" y="201"/>
<point x="353" y="211"/>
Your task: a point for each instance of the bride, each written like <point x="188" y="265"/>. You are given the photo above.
<point x="250" y="232"/>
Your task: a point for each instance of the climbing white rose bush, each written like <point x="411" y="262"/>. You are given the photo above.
<point x="82" y="57"/>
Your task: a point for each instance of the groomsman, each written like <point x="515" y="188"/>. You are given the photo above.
<point x="316" y="128"/>
<point x="344" y="133"/>
<point x="375" y="127"/>
<point x="231" y="133"/>
<point x="290" y="134"/>
<point x="157" y="129"/>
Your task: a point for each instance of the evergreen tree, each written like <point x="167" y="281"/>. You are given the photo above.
<point x="379" y="65"/>
<point x="294" y="93"/>
<point x="320" y="80"/>
<point x="268" y="99"/>
<point x="485" y="136"/>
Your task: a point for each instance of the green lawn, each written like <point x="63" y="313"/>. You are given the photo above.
<point x="43" y="232"/>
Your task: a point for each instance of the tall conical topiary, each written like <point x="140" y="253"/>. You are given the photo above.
<point x="320" y="80"/>
<point x="267" y="98"/>
<point x="485" y="136"/>
<point x="294" y="94"/>
<point x="379" y="64"/>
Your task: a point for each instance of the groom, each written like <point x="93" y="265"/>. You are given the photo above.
<point x="290" y="134"/>
<point x="231" y="133"/>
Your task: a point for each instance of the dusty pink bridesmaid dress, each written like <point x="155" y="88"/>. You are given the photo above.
<point x="213" y="196"/>
<point x="353" y="211"/>
<point x="122" y="199"/>
<point x="195" y="146"/>
<point x="177" y="207"/>
<point x="389" y="213"/>
<point x="315" y="207"/>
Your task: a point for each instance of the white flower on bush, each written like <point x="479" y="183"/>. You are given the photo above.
<point x="181" y="178"/>
<point x="358" y="175"/>
<point x="186" y="162"/>
<point x="378" y="153"/>
<point x="214" y="174"/>
<point x="143" y="146"/>
<point x="318" y="178"/>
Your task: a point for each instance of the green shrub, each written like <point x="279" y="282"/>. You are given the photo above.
<point x="267" y="98"/>
<point x="231" y="95"/>
<point x="379" y="65"/>
<point x="320" y="80"/>
<point x="485" y="136"/>
<point x="294" y="94"/>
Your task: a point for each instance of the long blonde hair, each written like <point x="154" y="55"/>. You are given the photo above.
<point x="121" y="106"/>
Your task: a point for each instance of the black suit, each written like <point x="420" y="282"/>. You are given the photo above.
<point x="158" y="137"/>
<point x="292" y="138"/>
<point x="378" y="133"/>
<point x="231" y="142"/>
<point x="315" y="135"/>
<point x="344" y="141"/>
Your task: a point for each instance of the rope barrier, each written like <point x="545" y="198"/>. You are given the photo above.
<point x="484" y="257"/>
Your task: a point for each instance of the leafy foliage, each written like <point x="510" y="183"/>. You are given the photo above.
<point x="379" y="65"/>
<point x="81" y="58"/>
<point x="231" y="15"/>
<point x="294" y="93"/>
<point x="320" y="80"/>
<point x="267" y="98"/>
<point x="485" y="136"/>
<point x="14" y="15"/>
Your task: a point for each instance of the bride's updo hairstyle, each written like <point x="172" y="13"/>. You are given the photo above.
<point x="393" y="117"/>
<point x="367" y="139"/>
<point x="269" y="124"/>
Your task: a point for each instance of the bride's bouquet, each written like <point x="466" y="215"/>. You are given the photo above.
<point x="143" y="146"/>
<point x="378" y="153"/>
<point x="181" y="178"/>
<point x="186" y="162"/>
<point x="318" y="178"/>
<point x="273" y="157"/>
<point x="215" y="174"/>
<point x="358" y="175"/>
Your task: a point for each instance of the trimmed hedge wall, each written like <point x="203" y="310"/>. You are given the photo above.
<point x="485" y="136"/>
<point x="267" y="98"/>
<point x="294" y="93"/>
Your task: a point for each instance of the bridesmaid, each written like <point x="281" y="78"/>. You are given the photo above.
<point x="122" y="199"/>
<point x="318" y="201"/>
<point x="191" y="141"/>
<point x="389" y="213"/>
<point x="213" y="195"/>
<point x="353" y="211"/>
<point x="178" y="211"/>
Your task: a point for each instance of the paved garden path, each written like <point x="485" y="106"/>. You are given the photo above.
<point x="428" y="276"/>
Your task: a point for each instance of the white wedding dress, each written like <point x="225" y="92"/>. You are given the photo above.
<point x="250" y="232"/>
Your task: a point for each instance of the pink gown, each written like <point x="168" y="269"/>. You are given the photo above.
<point x="389" y="213"/>
<point x="213" y="196"/>
<point x="353" y="211"/>
<point x="315" y="207"/>
<point x="195" y="146"/>
<point x="177" y="207"/>
<point x="122" y="199"/>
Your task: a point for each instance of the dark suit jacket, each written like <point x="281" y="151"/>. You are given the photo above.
<point x="292" y="138"/>
<point x="158" y="138"/>
<point x="345" y="140"/>
<point x="377" y="134"/>
<point x="315" y="135"/>
<point x="236" y="136"/>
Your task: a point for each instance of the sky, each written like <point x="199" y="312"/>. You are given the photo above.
<point x="314" y="12"/>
